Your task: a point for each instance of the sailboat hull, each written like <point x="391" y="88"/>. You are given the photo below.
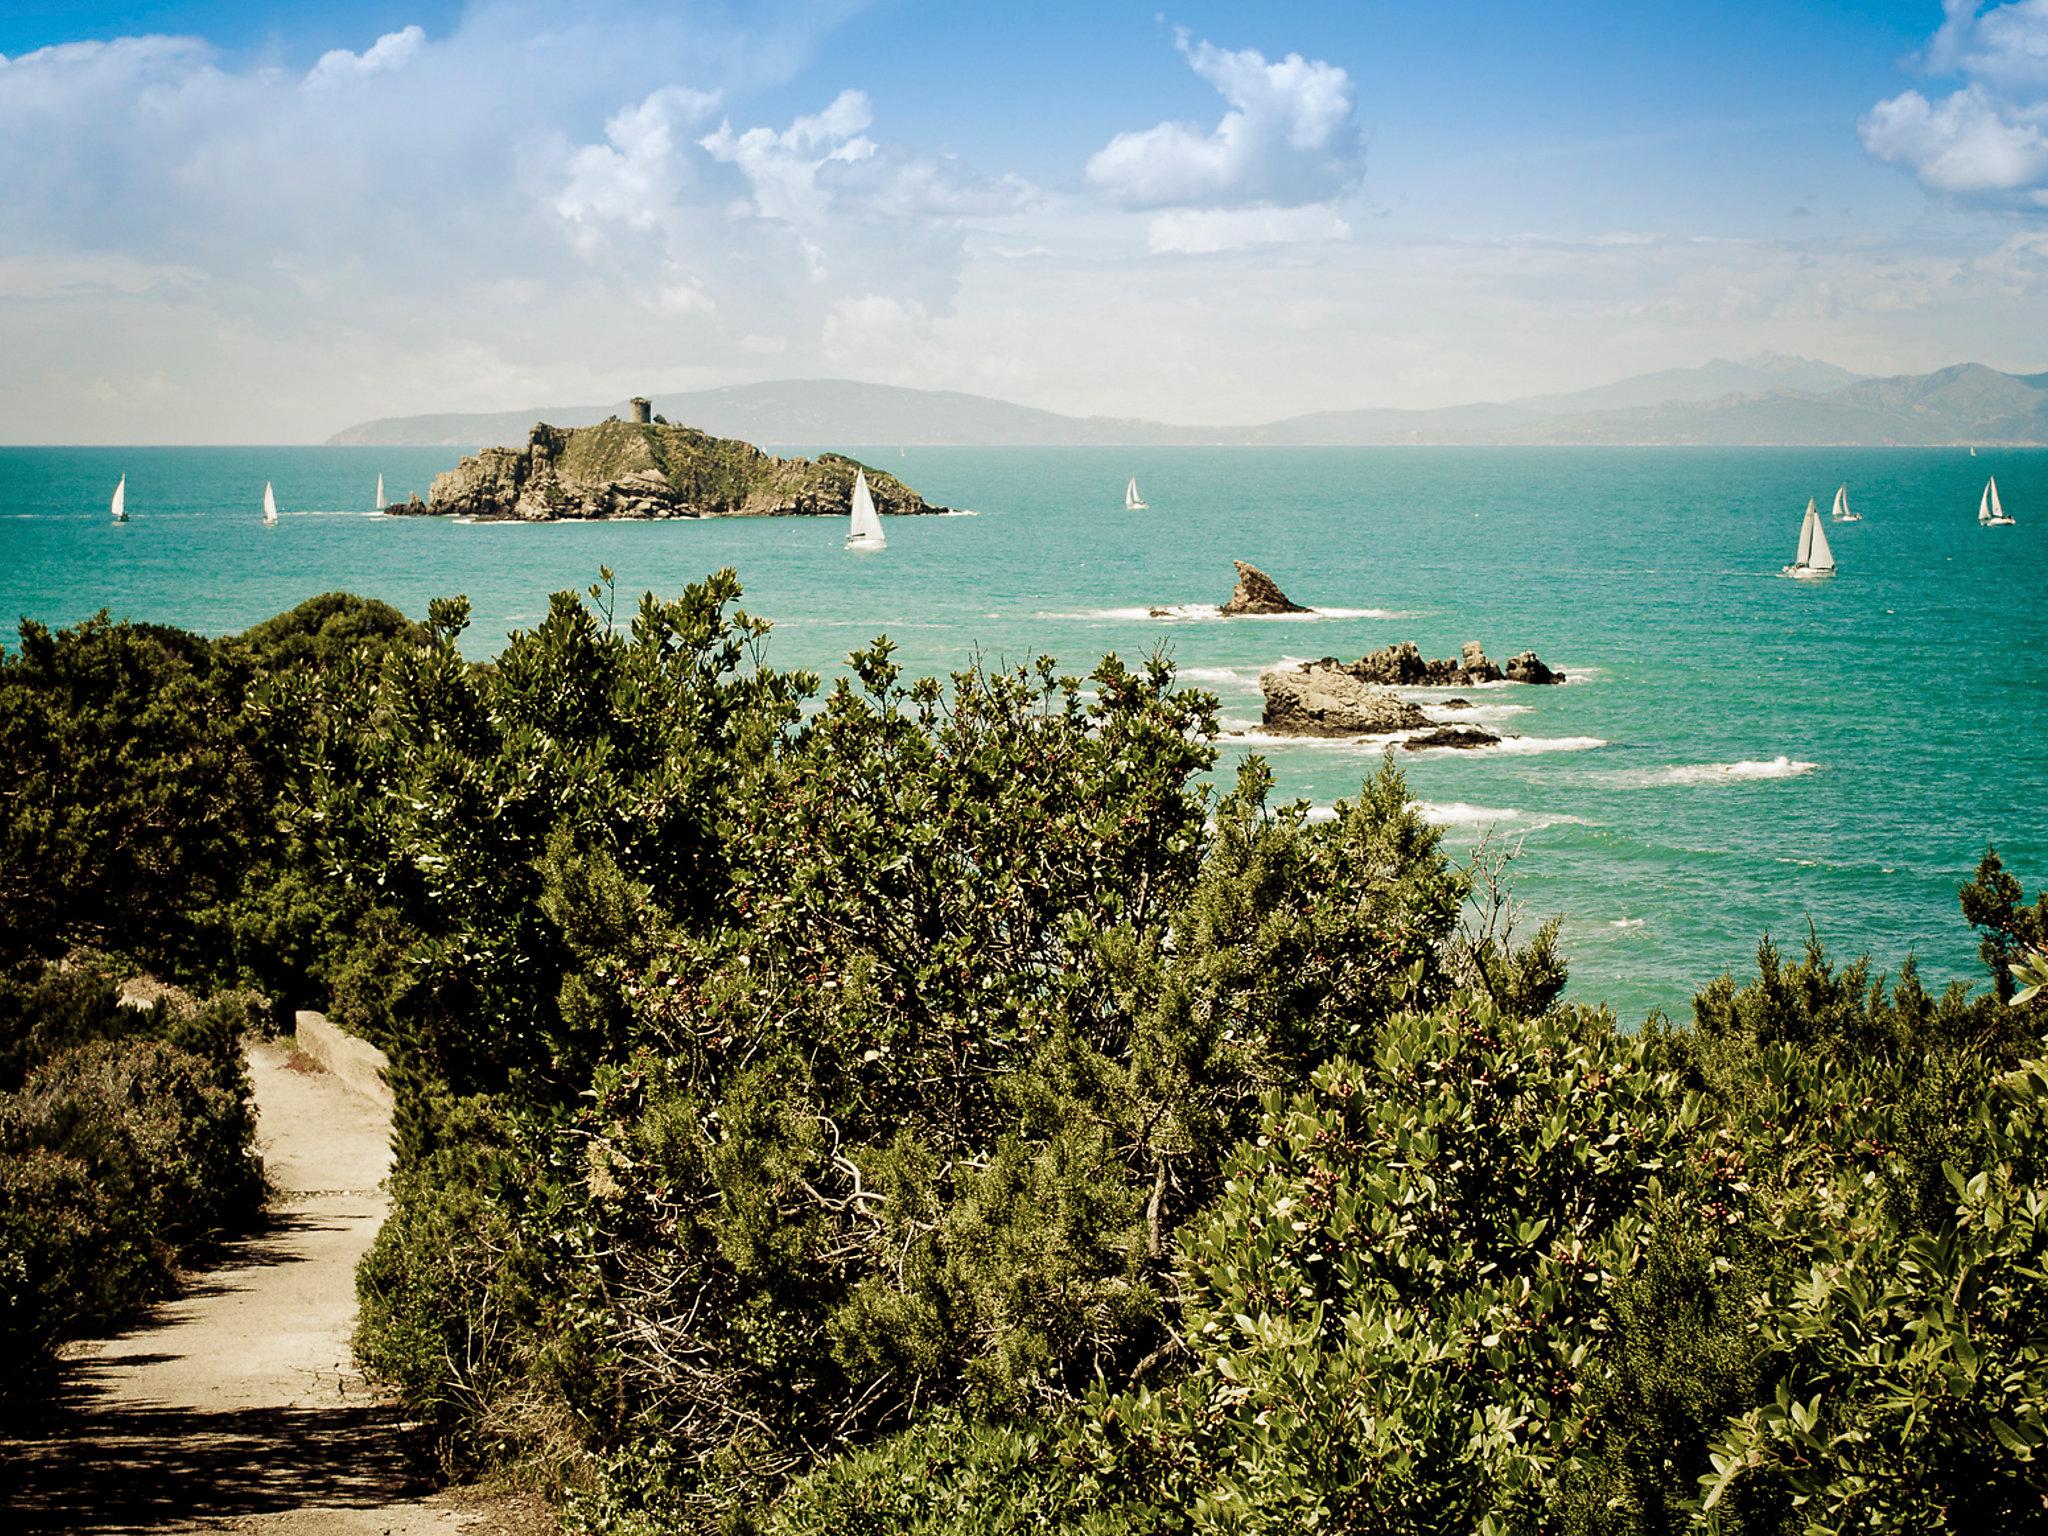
<point x="1805" y="573"/>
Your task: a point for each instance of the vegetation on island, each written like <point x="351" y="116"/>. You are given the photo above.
<point x="921" y="1106"/>
<point x="652" y="469"/>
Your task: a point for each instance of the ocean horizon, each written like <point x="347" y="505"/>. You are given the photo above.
<point x="1734" y="754"/>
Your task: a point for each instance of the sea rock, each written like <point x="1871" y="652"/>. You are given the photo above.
<point x="620" y="469"/>
<point x="1455" y="704"/>
<point x="1451" y="736"/>
<point x="1477" y="668"/>
<point x="1529" y="668"/>
<point x="1325" y="700"/>
<point x="1404" y="666"/>
<point x="1258" y="593"/>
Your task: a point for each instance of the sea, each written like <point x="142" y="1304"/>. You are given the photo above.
<point x="1735" y="755"/>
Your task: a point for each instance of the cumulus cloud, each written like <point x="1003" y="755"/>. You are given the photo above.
<point x="1286" y="138"/>
<point x="639" y="171"/>
<point x="1988" y="140"/>
<point x="391" y="51"/>
<point x="1968" y="143"/>
<point x="429" y="218"/>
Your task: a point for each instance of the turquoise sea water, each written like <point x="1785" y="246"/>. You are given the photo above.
<point x="1735" y="754"/>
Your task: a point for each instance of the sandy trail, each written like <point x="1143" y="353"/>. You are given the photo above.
<point x="235" y="1406"/>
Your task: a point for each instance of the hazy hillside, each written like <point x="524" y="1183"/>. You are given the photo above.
<point x="808" y="411"/>
<point x="1715" y="380"/>
<point x="1765" y="400"/>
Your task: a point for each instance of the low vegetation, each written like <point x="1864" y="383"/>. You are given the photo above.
<point x="126" y="1147"/>
<point x="924" y="1106"/>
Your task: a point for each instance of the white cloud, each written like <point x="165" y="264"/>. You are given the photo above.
<point x="1204" y="231"/>
<point x="633" y="177"/>
<point x="2008" y="43"/>
<point x="782" y="167"/>
<point x="432" y="219"/>
<point x="394" y="50"/>
<point x="1287" y="137"/>
<point x="1967" y="144"/>
<point x="1987" y="141"/>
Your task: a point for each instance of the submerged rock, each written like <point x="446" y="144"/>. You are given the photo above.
<point x="646" y="469"/>
<point x="1258" y="593"/>
<point x="1324" y="700"/>
<point x="1451" y="736"/>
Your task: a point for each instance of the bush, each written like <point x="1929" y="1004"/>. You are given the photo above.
<point x="126" y="1146"/>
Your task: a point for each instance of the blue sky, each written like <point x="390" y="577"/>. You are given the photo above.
<point x="262" y="221"/>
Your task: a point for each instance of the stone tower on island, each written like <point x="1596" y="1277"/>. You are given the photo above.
<point x="643" y="410"/>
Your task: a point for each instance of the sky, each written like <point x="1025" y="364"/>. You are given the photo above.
<point x="262" y="222"/>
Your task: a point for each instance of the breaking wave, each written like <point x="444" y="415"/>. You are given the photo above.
<point x="1183" y="613"/>
<point x="1725" y="773"/>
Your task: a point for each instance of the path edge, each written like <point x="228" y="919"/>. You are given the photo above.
<point x="356" y="1064"/>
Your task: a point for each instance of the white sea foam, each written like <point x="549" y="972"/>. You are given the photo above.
<point x="1721" y="773"/>
<point x="1249" y="733"/>
<point x="1474" y="712"/>
<point x="1529" y="745"/>
<point x="1182" y="613"/>
<point x="1216" y="675"/>
<point x="1626" y="922"/>
<point x="1457" y="813"/>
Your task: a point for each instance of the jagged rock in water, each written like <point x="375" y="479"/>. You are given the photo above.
<point x="646" y="469"/>
<point x="1451" y="736"/>
<point x="1528" y="668"/>
<point x="1258" y="593"/>
<point x="1477" y="668"/>
<point x="1455" y="704"/>
<point x="1403" y="665"/>
<point x="1322" y="700"/>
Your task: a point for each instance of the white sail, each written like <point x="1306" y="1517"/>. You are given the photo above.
<point x="269" y="503"/>
<point x="1133" y="502"/>
<point x="1984" y="504"/>
<point x="380" y="493"/>
<point x="1997" y="506"/>
<point x="864" y="527"/>
<point x="1809" y="526"/>
<point x="1819" y="558"/>
<point x="121" y="501"/>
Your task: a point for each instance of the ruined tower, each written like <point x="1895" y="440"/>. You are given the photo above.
<point x="643" y="410"/>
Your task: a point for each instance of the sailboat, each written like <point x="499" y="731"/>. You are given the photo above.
<point x="1133" y="502"/>
<point x="863" y="527"/>
<point x="121" y="501"/>
<point x="269" y="506"/>
<point x="1815" y="559"/>
<point x="379" y="503"/>
<point x="1842" y="514"/>
<point x="1990" y="511"/>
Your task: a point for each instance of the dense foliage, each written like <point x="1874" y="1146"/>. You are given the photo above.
<point x="929" y="1106"/>
<point x="126" y="1144"/>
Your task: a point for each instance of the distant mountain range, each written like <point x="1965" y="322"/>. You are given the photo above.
<point x="1768" y="400"/>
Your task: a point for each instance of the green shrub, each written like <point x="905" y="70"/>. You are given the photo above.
<point x="126" y="1146"/>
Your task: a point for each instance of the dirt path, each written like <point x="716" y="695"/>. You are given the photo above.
<point x="235" y="1407"/>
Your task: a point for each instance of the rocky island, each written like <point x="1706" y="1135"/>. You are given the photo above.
<point x="648" y="468"/>
<point x="1257" y="593"/>
<point x="1404" y="666"/>
<point x="1356" y="698"/>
